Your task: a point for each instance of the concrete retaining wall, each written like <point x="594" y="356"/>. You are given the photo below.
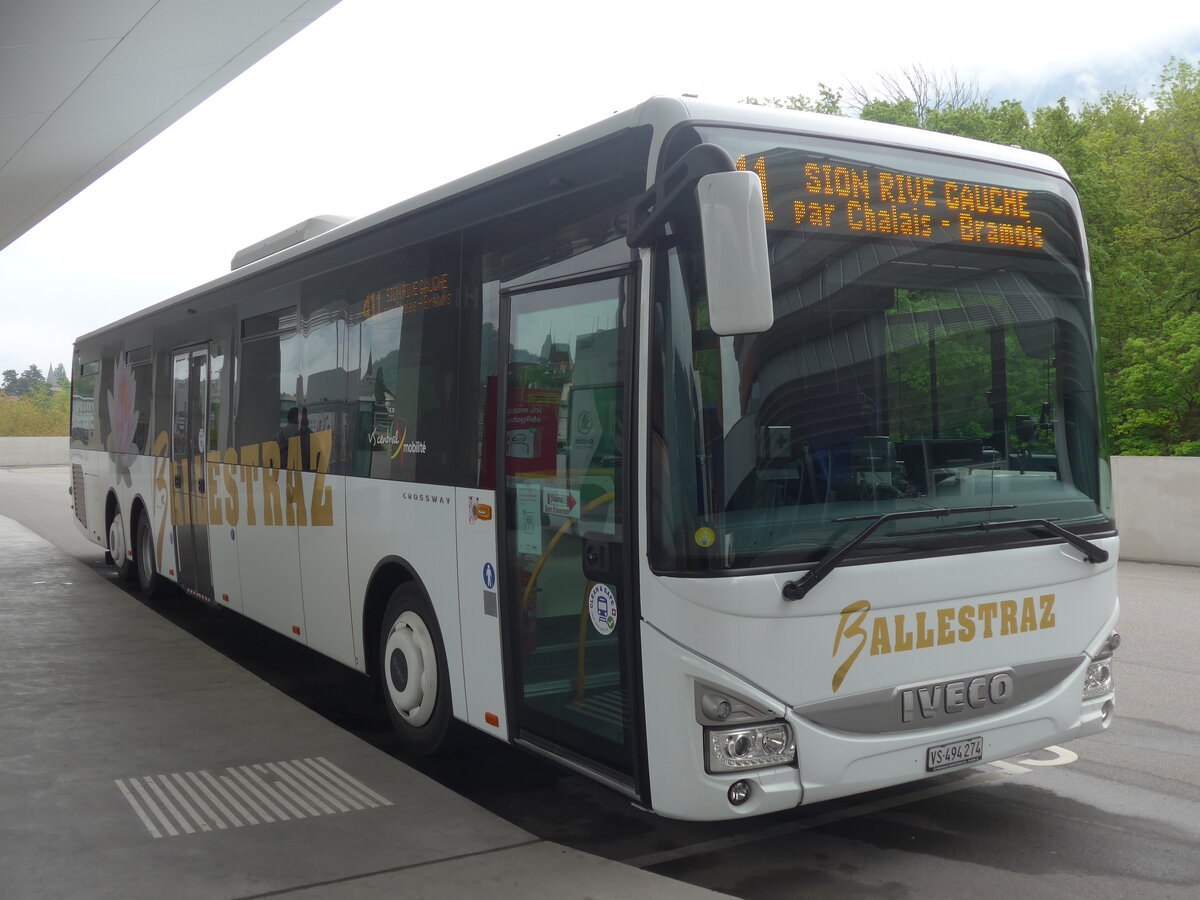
<point x="34" y="451"/>
<point x="1158" y="508"/>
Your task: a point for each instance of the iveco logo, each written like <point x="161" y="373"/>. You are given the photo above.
<point x="952" y="697"/>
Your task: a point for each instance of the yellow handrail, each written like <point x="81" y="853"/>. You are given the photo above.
<point x="603" y="498"/>
<point x="581" y="659"/>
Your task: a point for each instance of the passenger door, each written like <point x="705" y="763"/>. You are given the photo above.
<point x="189" y="445"/>
<point x="569" y="609"/>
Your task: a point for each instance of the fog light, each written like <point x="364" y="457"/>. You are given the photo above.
<point x="750" y="747"/>
<point x="739" y="792"/>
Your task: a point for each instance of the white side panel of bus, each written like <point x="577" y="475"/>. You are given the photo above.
<point x="157" y="495"/>
<point x="413" y="523"/>
<point x="269" y="561"/>
<point x="222" y="536"/>
<point x="479" y="611"/>
<point x="323" y="568"/>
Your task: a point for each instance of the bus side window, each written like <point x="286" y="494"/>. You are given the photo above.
<point x="83" y="402"/>
<point x="407" y="311"/>
<point x="268" y="373"/>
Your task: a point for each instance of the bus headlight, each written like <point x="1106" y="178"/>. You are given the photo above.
<point x="1099" y="678"/>
<point x="749" y="747"/>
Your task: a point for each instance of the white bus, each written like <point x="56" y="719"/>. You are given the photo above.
<point x="738" y="458"/>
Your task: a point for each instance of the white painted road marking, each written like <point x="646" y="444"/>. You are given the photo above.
<point x="196" y="802"/>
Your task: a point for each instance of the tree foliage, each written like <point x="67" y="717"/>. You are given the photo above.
<point x="21" y="385"/>
<point x="828" y="101"/>
<point x="29" y="408"/>
<point x="40" y="414"/>
<point x="1135" y="162"/>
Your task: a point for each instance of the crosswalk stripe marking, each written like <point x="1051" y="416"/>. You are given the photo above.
<point x="195" y="802"/>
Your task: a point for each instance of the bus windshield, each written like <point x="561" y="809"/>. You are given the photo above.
<point x="932" y="348"/>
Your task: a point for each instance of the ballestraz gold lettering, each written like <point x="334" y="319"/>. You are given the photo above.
<point x="900" y="633"/>
<point x="271" y="491"/>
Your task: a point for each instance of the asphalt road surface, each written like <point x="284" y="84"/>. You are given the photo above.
<point x="1112" y="816"/>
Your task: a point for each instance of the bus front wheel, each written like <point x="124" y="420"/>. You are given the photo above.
<point x="412" y="665"/>
<point x="153" y="585"/>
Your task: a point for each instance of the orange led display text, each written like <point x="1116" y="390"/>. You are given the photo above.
<point x="853" y="199"/>
<point x="410" y="296"/>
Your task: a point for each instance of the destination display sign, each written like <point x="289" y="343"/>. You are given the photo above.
<point x="410" y="296"/>
<point x="817" y="194"/>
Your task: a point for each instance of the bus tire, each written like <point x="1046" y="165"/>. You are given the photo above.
<point x="153" y="585"/>
<point x="412" y="667"/>
<point x="126" y="568"/>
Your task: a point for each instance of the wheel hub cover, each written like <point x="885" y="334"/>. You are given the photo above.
<point x="399" y="669"/>
<point x="116" y="541"/>
<point x="412" y="669"/>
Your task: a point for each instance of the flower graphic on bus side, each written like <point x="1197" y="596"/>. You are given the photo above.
<point x="124" y="419"/>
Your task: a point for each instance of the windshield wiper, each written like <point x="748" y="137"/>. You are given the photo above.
<point x="796" y="590"/>
<point x="1092" y="552"/>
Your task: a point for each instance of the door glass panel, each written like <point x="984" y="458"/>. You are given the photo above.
<point x="188" y="453"/>
<point x="180" y="464"/>
<point x="563" y="463"/>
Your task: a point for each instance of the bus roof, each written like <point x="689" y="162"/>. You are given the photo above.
<point x="662" y="113"/>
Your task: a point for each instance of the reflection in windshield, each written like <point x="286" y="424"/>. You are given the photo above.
<point x="900" y="374"/>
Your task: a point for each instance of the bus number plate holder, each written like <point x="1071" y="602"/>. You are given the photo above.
<point x="956" y="753"/>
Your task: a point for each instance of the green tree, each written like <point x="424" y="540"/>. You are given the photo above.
<point x="1135" y="163"/>
<point x="1157" y="391"/>
<point x="21" y="385"/>
<point x="915" y="96"/>
<point x="1173" y="152"/>
<point x="39" y="396"/>
<point x="828" y="101"/>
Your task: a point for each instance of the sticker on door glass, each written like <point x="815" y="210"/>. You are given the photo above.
<point x="602" y="607"/>
<point x="529" y="519"/>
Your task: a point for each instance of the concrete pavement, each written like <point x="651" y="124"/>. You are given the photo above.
<point x="137" y="762"/>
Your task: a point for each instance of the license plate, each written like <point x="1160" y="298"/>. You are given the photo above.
<point x="956" y="753"/>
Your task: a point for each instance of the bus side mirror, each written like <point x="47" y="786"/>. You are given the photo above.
<point x="734" y="230"/>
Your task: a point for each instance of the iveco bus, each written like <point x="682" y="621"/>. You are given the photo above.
<point x="738" y="458"/>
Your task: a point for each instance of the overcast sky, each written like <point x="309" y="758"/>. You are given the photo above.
<point x="379" y="100"/>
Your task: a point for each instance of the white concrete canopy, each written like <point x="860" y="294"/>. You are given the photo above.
<point x="84" y="83"/>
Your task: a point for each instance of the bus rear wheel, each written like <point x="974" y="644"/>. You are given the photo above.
<point x="153" y="585"/>
<point x="412" y="666"/>
<point x="126" y="570"/>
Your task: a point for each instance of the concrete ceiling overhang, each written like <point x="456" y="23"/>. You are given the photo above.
<point x="84" y="83"/>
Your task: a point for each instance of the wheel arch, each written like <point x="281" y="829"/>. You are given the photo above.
<point x="389" y="574"/>
<point x="111" y="505"/>
<point x="137" y="509"/>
